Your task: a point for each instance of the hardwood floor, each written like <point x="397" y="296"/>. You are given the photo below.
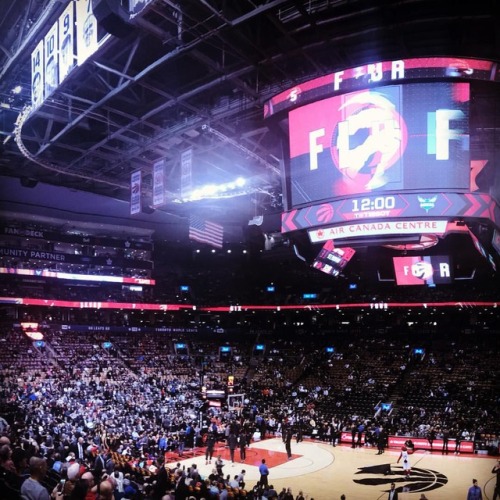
<point x="324" y="472"/>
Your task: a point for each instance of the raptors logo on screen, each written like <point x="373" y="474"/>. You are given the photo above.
<point x="421" y="270"/>
<point x="395" y="138"/>
<point x="369" y="140"/>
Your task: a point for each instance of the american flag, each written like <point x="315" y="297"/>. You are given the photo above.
<point x="206" y="232"/>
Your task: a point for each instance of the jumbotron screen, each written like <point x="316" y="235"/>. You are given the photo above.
<point x="392" y="148"/>
<point x="393" y="138"/>
<point x="331" y="260"/>
<point x="422" y="270"/>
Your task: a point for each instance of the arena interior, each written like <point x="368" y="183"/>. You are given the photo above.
<point x="249" y="249"/>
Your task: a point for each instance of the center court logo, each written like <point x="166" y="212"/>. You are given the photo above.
<point x="420" y="481"/>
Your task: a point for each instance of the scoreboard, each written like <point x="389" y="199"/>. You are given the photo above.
<point x="390" y="148"/>
<point x="422" y="206"/>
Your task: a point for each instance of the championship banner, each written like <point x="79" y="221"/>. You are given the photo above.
<point x="37" y="76"/>
<point x="158" y="184"/>
<point x="66" y="41"/>
<point x="135" y="193"/>
<point x="51" y="60"/>
<point x="86" y="31"/>
<point x="186" y="173"/>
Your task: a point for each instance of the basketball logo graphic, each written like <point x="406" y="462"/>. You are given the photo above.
<point x="369" y="140"/>
<point x="422" y="270"/>
<point x="325" y="213"/>
<point x="420" y="481"/>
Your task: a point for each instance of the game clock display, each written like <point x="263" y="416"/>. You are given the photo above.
<point x="417" y="206"/>
<point x="385" y="203"/>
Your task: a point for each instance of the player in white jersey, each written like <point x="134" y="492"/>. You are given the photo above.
<point x="406" y="461"/>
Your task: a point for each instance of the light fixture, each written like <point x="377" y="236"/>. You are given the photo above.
<point x="219" y="191"/>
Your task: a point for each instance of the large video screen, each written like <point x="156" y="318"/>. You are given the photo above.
<point x="331" y="260"/>
<point x="422" y="270"/>
<point x="393" y="138"/>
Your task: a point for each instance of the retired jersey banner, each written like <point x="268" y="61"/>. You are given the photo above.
<point x="37" y="76"/>
<point x="86" y="31"/>
<point x="158" y="184"/>
<point x="66" y="41"/>
<point x="186" y="172"/>
<point x="135" y="192"/>
<point x="51" y="60"/>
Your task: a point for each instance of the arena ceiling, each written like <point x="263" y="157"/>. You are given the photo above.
<point x="195" y="74"/>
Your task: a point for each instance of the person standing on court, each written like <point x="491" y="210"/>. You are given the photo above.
<point x="496" y="470"/>
<point x="264" y="473"/>
<point x="393" y="492"/>
<point x="287" y="438"/>
<point x="242" y="443"/>
<point x="354" y="431"/>
<point x="209" y="452"/>
<point x="431" y="436"/>
<point x="446" y="439"/>
<point x="474" y="492"/>
<point x="381" y="441"/>
<point x="232" y="442"/>
<point x="406" y="461"/>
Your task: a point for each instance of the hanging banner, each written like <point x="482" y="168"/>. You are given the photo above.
<point x="186" y="173"/>
<point x="86" y="31"/>
<point x="135" y="193"/>
<point x="158" y="184"/>
<point x="51" y="60"/>
<point x="66" y="41"/>
<point x="37" y="76"/>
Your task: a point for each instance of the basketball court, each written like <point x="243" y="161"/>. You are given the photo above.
<point x="324" y="472"/>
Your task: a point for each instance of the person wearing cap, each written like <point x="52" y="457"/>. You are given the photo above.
<point x="474" y="492"/>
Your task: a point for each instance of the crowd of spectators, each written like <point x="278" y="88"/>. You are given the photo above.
<point x="136" y="400"/>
